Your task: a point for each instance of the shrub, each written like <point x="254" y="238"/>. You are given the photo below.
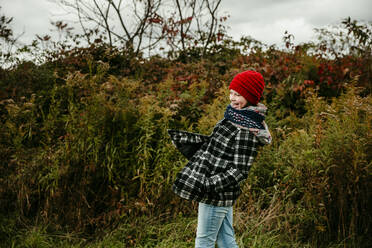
<point x="320" y="171"/>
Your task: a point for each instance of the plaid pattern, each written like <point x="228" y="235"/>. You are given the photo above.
<point x="218" y="165"/>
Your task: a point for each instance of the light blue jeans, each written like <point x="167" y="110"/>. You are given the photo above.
<point x="215" y="224"/>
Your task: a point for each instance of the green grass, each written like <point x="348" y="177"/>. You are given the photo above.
<point x="142" y="233"/>
<point x="147" y="232"/>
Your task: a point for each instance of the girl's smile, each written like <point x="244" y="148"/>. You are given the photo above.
<point x="236" y="100"/>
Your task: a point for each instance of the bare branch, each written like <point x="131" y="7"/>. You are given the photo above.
<point x="193" y="15"/>
<point x="181" y="23"/>
<point x="87" y="36"/>
<point x="106" y="20"/>
<point x="104" y="16"/>
<point x="117" y="9"/>
<point x="213" y="25"/>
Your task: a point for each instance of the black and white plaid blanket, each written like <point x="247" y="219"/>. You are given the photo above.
<point x="217" y="163"/>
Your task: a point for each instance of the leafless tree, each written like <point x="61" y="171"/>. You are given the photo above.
<point x="149" y="24"/>
<point x="198" y="21"/>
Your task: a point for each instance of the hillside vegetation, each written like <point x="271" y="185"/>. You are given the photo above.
<point x="85" y="159"/>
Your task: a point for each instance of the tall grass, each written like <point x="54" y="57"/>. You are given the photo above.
<point x="318" y="173"/>
<point x="87" y="153"/>
<point x="94" y="152"/>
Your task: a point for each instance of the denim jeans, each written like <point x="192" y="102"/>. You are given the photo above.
<point x="215" y="224"/>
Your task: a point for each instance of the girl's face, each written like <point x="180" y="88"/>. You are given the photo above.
<point x="236" y="100"/>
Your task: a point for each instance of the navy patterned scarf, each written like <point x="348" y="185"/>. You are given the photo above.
<point x="245" y="117"/>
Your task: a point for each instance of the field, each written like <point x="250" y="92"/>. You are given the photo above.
<point x="86" y="161"/>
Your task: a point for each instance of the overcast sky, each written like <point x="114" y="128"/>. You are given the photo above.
<point x="264" y="20"/>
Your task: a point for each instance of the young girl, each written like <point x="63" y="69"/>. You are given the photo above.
<point x="219" y="163"/>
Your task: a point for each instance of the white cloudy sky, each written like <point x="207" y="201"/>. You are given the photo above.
<point x="264" y="20"/>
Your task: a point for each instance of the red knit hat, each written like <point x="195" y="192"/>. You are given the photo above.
<point x="249" y="84"/>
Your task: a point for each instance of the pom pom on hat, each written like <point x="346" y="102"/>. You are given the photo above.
<point x="249" y="84"/>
